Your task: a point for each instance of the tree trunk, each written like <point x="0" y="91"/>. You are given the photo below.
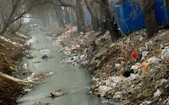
<point x="49" y="15"/>
<point x="110" y="21"/>
<point x="73" y="17"/>
<point x="4" y="28"/>
<point x="147" y="7"/>
<point x="167" y="3"/>
<point x="14" y="28"/>
<point x="10" y="78"/>
<point x="67" y="15"/>
<point x="93" y="18"/>
<point x="102" y="26"/>
<point x="59" y="15"/>
<point x="94" y="23"/>
<point x="79" y="16"/>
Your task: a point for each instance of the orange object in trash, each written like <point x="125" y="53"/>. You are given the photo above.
<point x="134" y="55"/>
<point x="145" y="66"/>
<point x="158" y="51"/>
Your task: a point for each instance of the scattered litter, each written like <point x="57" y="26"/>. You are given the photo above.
<point x="157" y="93"/>
<point x="25" y="66"/>
<point x="57" y="93"/>
<point x="154" y="60"/>
<point x="45" y="51"/>
<point x="38" y="76"/>
<point x="44" y="56"/>
<point x="122" y="70"/>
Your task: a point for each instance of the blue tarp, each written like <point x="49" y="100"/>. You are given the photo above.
<point x="161" y="12"/>
<point x="130" y="18"/>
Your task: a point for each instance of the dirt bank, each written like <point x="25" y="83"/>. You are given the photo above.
<point x="11" y="52"/>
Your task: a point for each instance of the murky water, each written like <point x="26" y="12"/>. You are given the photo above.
<point x="69" y="78"/>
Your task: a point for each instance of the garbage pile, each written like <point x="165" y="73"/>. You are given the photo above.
<point x="75" y="46"/>
<point x="134" y="70"/>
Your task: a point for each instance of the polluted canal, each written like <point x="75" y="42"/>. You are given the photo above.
<point x="71" y="79"/>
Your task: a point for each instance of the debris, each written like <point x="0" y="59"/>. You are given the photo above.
<point x="27" y="90"/>
<point x="44" y="56"/>
<point x="10" y="78"/>
<point x="145" y="66"/>
<point x="25" y="66"/>
<point x="103" y="90"/>
<point x="38" y="76"/>
<point x="30" y="57"/>
<point x="154" y="60"/>
<point x="144" y="54"/>
<point x="157" y="93"/>
<point x="127" y="73"/>
<point x="134" y="55"/>
<point x="57" y="93"/>
<point x="127" y="70"/>
<point x="146" y="103"/>
<point x="45" y="51"/>
<point x="165" y="54"/>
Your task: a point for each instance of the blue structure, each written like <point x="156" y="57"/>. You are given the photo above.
<point x="129" y="16"/>
<point x="161" y="12"/>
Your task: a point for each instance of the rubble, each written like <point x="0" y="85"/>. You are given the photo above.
<point x="131" y="71"/>
<point x="44" y="56"/>
<point x="57" y="93"/>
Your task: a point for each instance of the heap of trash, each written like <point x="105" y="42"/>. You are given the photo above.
<point x="133" y="70"/>
<point x="75" y="45"/>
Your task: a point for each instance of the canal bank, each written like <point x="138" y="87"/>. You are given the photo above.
<point x="131" y="71"/>
<point x="12" y="49"/>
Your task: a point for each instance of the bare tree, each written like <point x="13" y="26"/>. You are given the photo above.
<point x="59" y="14"/>
<point x="94" y="19"/>
<point x="15" y="26"/>
<point x="147" y="7"/>
<point x="79" y="15"/>
<point x="77" y="6"/>
<point x="13" y="10"/>
<point x="105" y="16"/>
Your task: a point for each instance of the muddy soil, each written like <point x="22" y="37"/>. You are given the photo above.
<point x="11" y="53"/>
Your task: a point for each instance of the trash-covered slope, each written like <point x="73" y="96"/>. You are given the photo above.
<point x="134" y="70"/>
